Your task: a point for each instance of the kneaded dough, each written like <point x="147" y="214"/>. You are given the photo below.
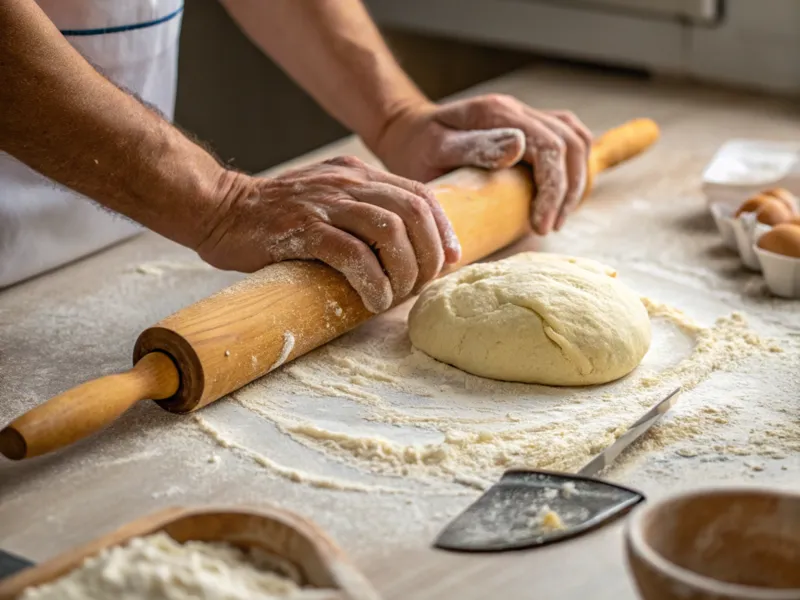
<point x="535" y="318"/>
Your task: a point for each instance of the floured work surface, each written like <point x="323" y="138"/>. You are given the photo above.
<point x="380" y="444"/>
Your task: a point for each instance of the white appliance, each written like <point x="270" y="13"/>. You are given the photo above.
<point x="750" y="43"/>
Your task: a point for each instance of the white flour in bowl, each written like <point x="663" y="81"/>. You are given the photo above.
<point x="157" y="567"/>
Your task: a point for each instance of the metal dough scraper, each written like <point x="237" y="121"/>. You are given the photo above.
<point x="10" y="564"/>
<point x="527" y="508"/>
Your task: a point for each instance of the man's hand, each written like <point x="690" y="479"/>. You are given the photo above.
<point x="425" y="141"/>
<point x="387" y="235"/>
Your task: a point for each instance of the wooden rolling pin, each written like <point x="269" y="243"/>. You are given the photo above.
<point x="241" y="333"/>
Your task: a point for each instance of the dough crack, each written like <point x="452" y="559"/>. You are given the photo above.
<point x="570" y="352"/>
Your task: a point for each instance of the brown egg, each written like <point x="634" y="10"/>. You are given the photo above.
<point x="753" y="203"/>
<point x="782" y="239"/>
<point x="785" y="196"/>
<point x="794" y="221"/>
<point x="773" y="212"/>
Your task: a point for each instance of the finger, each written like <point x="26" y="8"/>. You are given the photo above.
<point x="575" y="124"/>
<point x="576" y="161"/>
<point x="419" y="223"/>
<point x="353" y="259"/>
<point x="547" y="153"/>
<point x="544" y="150"/>
<point x="486" y="148"/>
<point x="447" y="235"/>
<point x="385" y="233"/>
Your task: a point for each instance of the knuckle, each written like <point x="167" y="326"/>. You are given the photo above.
<point x="393" y="224"/>
<point x="502" y="101"/>
<point x="316" y="235"/>
<point x="417" y="207"/>
<point x="552" y="143"/>
<point x="335" y="178"/>
<point x="352" y="161"/>
<point x="567" y="115"/>
<point x="353" y="249"/>
<point x="420" y="189"/>
<point x="344" y="161"/>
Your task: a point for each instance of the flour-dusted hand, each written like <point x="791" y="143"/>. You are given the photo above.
<point x="387" y="235"/>
<point x="495" y="131"/>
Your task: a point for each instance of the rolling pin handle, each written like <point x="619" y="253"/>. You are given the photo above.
<point x="618" y="145"/>
<point x="87" y="408"/>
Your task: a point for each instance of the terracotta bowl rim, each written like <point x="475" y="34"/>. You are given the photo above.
<point x="634" y="533"/>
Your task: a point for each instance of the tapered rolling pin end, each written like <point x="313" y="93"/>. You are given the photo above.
<point x="619" y="145"/>
<point x="622" y="143"/>
<point x="12" y="444"/>
<point x="88" y="408"/>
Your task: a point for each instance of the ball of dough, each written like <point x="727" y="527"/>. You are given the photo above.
<point x="535" y="318"/>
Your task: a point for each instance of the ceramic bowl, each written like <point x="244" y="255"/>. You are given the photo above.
<point x="717" y="544"/>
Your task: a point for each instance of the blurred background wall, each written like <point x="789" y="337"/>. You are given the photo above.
<point x="236" y="100"/>
<point x="252" y="115"/>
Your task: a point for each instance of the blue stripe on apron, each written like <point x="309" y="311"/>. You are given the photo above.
<point x="121" y="28"/>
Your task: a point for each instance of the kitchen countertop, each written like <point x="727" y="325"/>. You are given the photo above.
<point x="80" y="322"/>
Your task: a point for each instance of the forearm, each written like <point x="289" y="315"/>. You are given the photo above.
<point x="63" y="119"/>
<point x="334" y="51"/>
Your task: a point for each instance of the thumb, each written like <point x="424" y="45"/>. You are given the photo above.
<point x="485" y="148"/>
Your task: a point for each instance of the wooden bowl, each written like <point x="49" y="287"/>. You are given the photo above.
<point x="309" y="555"/>
<point x="717" y="544"/>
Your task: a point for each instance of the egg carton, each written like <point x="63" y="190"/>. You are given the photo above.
<point x="729" y="180"/>
<point x="782" y="273"/>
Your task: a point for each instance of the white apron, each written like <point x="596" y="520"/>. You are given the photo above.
<point x="135" y="44"/>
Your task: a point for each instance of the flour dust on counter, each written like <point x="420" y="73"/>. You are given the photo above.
<point x="163" y="268"/>
<point x="379" y="408"/>
<point x="291" y="473"/>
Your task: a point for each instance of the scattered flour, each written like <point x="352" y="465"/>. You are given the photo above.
<point x="149" y="269"/>
<point x="568" y="489"/>
<point x="159" y="568"/>
<point x="173" y="490"/>
<point x="288" y="473"/>
<point x="550" y="494"/>
<point x="335" y="307"/>
<point x="716" y="348"/>
<point x="159" y="268"/>
<point x="471" y="429"/>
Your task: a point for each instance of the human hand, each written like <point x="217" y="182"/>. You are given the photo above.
<point x="387" y="235"/>
<point x="495" y="131"/>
